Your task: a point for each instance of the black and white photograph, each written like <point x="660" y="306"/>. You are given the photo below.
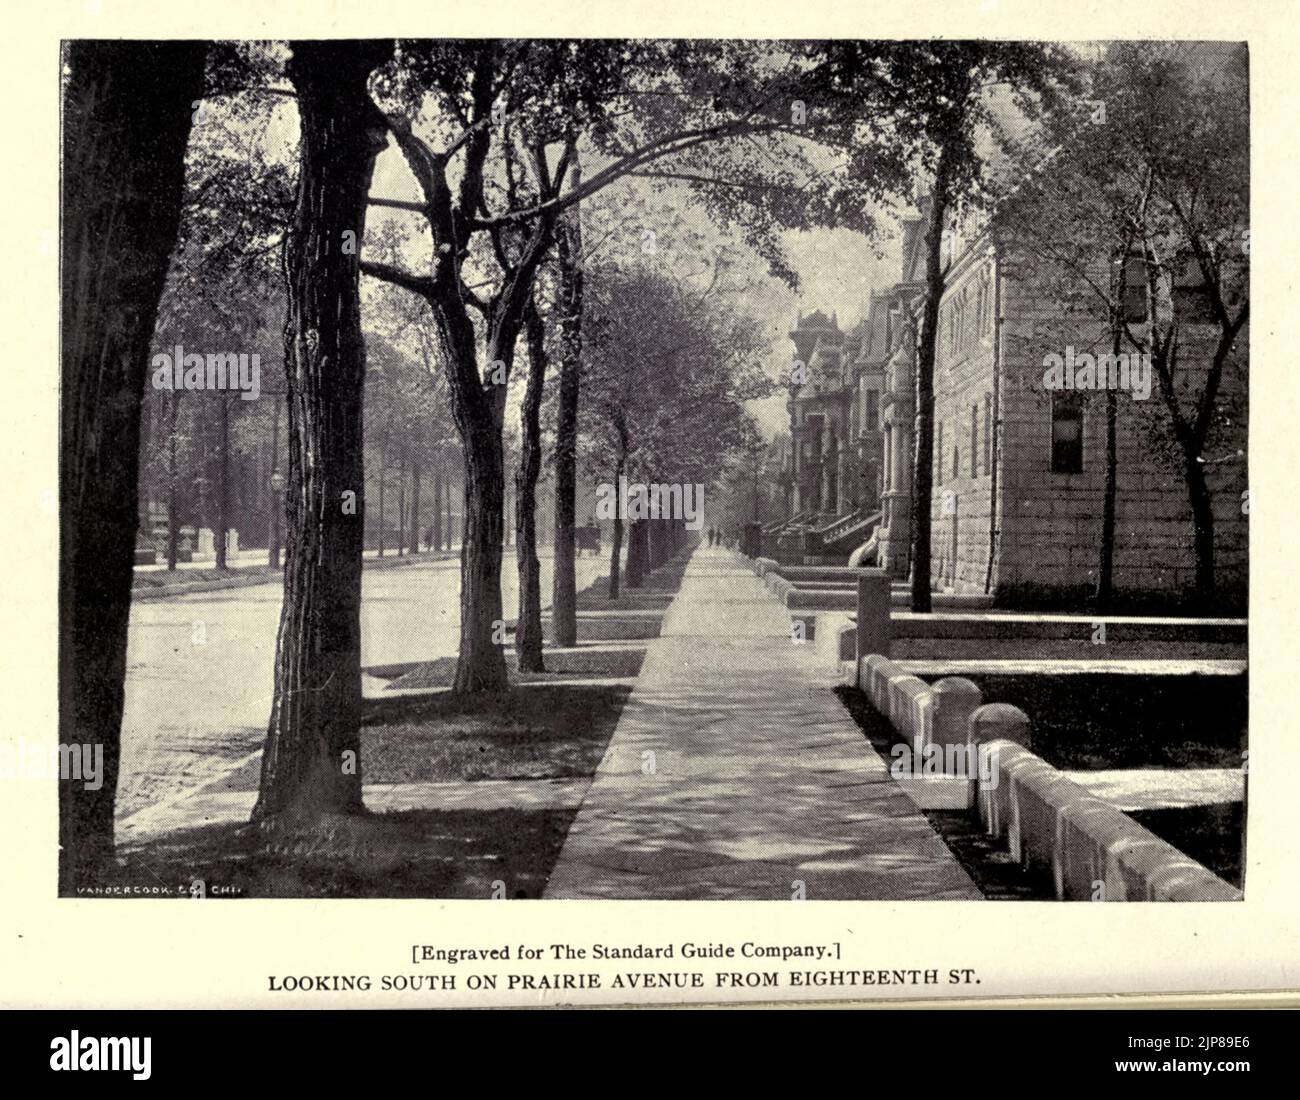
<point x="646" y="469"/>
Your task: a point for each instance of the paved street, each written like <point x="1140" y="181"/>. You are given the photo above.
<point x="199" y="668"/>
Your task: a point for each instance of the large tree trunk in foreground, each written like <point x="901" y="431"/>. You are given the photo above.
<point x="311" y="763"/>
<point x="564" y="584"/>
<point x="528" y="631"/>
<point x="126" y="124"/>
<point x="923" y="475"/>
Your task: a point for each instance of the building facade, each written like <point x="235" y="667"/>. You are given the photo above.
<point x="1019" y="465"/>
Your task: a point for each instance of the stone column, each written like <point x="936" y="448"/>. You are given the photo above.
<point x="873" y="613"/>
<point x="842" y="481"/>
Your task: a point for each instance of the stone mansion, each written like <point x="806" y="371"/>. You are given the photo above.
<point x="1019" y="469"/>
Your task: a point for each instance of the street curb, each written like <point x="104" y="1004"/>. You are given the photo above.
<point x="162" y="592"/>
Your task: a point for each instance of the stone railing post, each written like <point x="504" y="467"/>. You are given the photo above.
<point x="993" y="722"/>
<point x="873" y="613"/>
<point x="952" y="702"/>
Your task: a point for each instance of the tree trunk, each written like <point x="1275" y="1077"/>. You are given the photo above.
<point x="415" y="508"/>
<point x="616" y="549"/>
<point x="311" y="763"/>
<point x="653" y="544"/>
<point x="1198" y="496"/>
<point x="528" y="631"/>
<point x="173" y="497"/>
<point x="223" y="481"/>
<point x="401" y="504"/>
<point x="448" y="533"/>
<point x="436" y="531"/>
<point x="277" y="499"/>
<point x="564" y="582"/>
<point x="480" y="664"/>
<point x="636" y="553"/>
<point x="382" y="471"/>
<point x="127" y="112"/>
<point x="479" y="415"/>
<point x="923" y="476"/>
<point x="1106" y="563"/>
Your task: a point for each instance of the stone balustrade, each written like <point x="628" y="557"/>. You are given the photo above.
<point x="1092" y="849"/>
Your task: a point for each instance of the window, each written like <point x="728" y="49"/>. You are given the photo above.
<point x="873" y="411"/>
<point x="938" y="453"/>
<point x="986" y="304"/>
<point x="1135" y="289"/>
<point x="1067" y="434"/>
<point x="974" y="440"/>
<point x="956" y="452"/>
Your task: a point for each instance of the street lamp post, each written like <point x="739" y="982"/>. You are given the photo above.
<point x="277" y="504"/>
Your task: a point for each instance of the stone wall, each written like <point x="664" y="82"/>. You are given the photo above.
<point x="1049" y="527"/>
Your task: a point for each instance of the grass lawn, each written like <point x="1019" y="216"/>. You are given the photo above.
<point x="1088" y="723"/>
<point x="411" y="854"/>
<point x="582" y="662"/>
<point x="526" y="733"/>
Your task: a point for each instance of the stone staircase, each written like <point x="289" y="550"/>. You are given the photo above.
<point x="843" y="536"/>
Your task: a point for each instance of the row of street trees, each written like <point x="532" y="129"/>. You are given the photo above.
<point x="492" y="255"/>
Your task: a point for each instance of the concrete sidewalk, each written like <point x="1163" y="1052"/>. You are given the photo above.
<point x="735" y="772"/>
